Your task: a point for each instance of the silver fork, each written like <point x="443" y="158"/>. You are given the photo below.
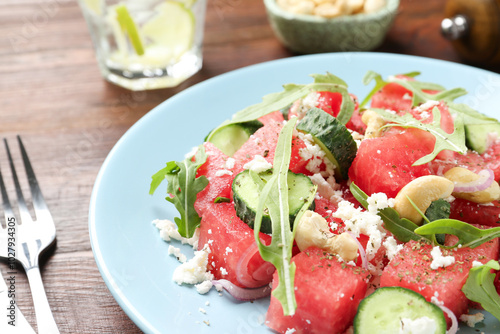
<point x="30" y="237"/>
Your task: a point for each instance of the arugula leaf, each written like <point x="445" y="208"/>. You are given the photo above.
<point x="444" y="141"/>
<point x="480" y="288"/>
<point x="468" y="235"/>
<point x="293" y="92"/>
<point x="379" y="84"/>
<point x="274" y="196"/>
<point x="439" y="209"/>
<point x="183" y="185"/>
<point x="402" y="228"/>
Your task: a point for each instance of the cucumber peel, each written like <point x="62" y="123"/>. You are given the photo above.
<point x="333" y="138"/>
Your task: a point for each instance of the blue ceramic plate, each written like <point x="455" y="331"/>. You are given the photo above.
<point x="131" y="256"/>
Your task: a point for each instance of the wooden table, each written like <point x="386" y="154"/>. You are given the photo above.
<point x="52" y="94"/>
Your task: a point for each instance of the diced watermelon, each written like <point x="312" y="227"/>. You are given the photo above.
<point x="219" y="184"/>
<point x="411" y="269"/>
<point x="327" y="293"/>
<point x="471" y="212"/>
<point x="384" y="164"/>
<point x="276" y="116"/>
<point x="234" y="254"/>
<point x="394" y="96"/>
<point x="263" y="142"/>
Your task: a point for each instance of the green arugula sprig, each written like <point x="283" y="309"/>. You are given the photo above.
<point x="468" y="235"/>
<point x="444" y="141"/>
<point x="403" y="229"/>
<point x="183" y="185"/>
<point x="480" y="288"/>
<point x="417" y="88"/>
<point x="290" y="94"/>
<point x="274" y="197"/>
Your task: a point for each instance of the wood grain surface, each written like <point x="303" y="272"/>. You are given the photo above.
<point x="52" y="94"/>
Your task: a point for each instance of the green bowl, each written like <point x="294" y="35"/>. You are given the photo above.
<point x="313" y="34"/>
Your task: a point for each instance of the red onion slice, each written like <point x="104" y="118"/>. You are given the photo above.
<point x="362" y="253"/>
<point x="243" y="294"/>
<point x="261" y="276"/>
<point x="454" y="322"/>
<point x="486" y="178"/>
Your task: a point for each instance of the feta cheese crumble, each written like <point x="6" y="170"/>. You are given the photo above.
<point x="422" y="325"/>
<point x="258" y="165"/>
<point x="438" y="260"/>
<point x="194" y="271"/>
<point x="472" y="319"/>
<point x="168" y="230"/>
<point x="177" y="253"/>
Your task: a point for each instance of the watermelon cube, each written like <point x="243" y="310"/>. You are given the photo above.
<point x="263" y="142"/>
<point x="411" y="269"/>
<point x="234" y="254"/>
<point x="220" y="177"/>
<point x="327" y="293"/>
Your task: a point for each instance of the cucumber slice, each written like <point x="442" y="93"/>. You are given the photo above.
<point x="246" y="197"/>
<point x="231" y="137"/>
<point x="333" y="138"/>
<point x="476" y="135"/>
<point x="389" y="308"/>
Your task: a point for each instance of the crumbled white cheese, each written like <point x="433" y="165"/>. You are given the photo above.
<point x="222" y="172"/>
<point x="379" y="201"/>
<point x="202" y="310"/>
<point x="258" y="165"/>
<point x="358" y="221"/>
<point x="476" y="264"/>
<point x="228" y="250"/>
<point x="422" y="325"/>
<point x="290" y="331"/>
<point x="177" y="253"/>
<point x="223" y="271"/>
<point x="438" y="260"/>
<point x="168" y="231"/>
<point x="472" y="319"/>
<point x="392" y="247"/>
<point x="204" y="287"/>
<point x="230" y="163"/>
<point x="194" y="271"/>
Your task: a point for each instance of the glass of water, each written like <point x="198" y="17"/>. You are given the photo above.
<point x="146" y="44"/>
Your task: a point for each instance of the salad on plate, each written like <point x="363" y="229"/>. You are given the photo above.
<point x="378" y="215"/>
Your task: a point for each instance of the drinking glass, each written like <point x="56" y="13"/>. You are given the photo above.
<point x="146" y="44"/>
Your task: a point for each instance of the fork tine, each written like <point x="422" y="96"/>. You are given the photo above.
<point x="23" y="209"/>
<point x="7" y="208"/>
<point x="41" y="209"/>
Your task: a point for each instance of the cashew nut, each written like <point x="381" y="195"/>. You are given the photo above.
<point x="343" y="245"/>
<point x="313" y="230"/>
<point x="422" y="191"/>
<point x="463" y="175"/>
<point x="374" y="123"/>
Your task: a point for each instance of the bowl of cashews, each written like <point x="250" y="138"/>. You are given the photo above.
<point x="316" y="26"/>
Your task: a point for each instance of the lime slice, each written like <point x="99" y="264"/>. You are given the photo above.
<point x="93" y="5"/>
<point x="172" y="27"/>
<point x="128" y="25"/>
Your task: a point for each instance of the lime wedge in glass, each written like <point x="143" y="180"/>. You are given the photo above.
<point x="128" y="25"/>
<point x="94" y="6"/>
<point x="171" y="28"/>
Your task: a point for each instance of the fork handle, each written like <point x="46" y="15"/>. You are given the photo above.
<point x="44" y="318"/>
